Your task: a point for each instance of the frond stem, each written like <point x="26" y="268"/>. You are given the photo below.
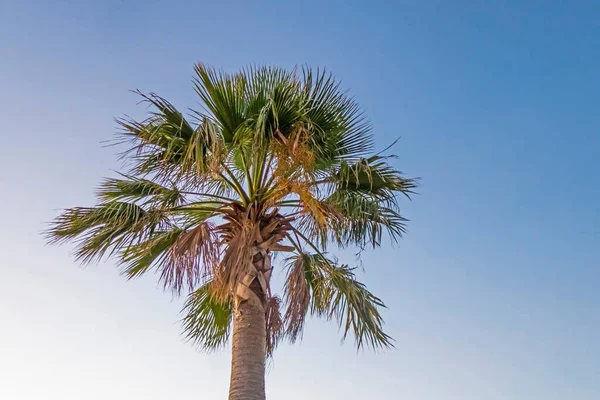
<point x="308" y="242"/>
<point x="210" y="195"/>
<point x="234" y="183"/>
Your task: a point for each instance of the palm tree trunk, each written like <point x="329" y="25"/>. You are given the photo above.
<point x="248" y="351"/>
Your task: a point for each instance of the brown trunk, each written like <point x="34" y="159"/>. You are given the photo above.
<point x="248" y="351"/>
<point x="251" y="294"/>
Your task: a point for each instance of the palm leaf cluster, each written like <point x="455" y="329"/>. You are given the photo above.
<point x="276" y="161"/>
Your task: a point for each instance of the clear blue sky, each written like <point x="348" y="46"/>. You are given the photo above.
<point x="492" y="295"/>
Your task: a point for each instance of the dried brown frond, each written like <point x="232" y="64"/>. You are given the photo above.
<point x="272" y="229"/>
<point x="237" y="257"/>
<point x="193" y="258"/>
<point x="297" y="299"/>
<point x="275" y="326"/>
<point x="245" y="232"/>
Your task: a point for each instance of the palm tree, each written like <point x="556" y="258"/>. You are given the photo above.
<point x="276" y="162"/>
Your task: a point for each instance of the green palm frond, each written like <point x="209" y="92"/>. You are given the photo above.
<point x="166" y="144"/>
<point x="105" y="228"/>
<point x="134" y="189"/>
<point x="207" y="322"/>
<point x="363" y="220"/>
<point x="141" y="257"/>
<point x="342" y="131"/>
<point x="374" y="177"/>
<point x="349" y="301"/>
<point x="335" y="293"/>
<point x="260" y="82"/>
<point x="353" y="219"/>
<point x="166" y="128"/>
<point x="223" y="95"/>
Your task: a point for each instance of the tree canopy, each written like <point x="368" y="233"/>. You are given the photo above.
<point x="279" y="159"/>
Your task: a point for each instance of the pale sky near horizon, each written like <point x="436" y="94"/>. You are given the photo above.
<point x="492" y="295"/>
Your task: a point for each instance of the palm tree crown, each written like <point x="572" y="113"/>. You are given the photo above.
<point x="277" y="161"/>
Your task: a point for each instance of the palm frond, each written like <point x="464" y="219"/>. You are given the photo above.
<point x="340" y="129"/>
<point x="275" y="324"/>
<point x="166" y="128"/>
<point x="337" y="294"/>
<point x="141" y="257"/>
<point x="362" y="220"/>
<point x="374" y="177"/>
<point x="207" y="321"/>
<point x="192" y="258"/>
<point x="107" y="228"/>
<point x="297" y="294"/>
<point x="223" y="95"/>
<point x="167" y="146"/>
<point x="134" y="189"/>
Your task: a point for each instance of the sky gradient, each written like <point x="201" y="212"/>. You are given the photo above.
<point x="493" y="294"/>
